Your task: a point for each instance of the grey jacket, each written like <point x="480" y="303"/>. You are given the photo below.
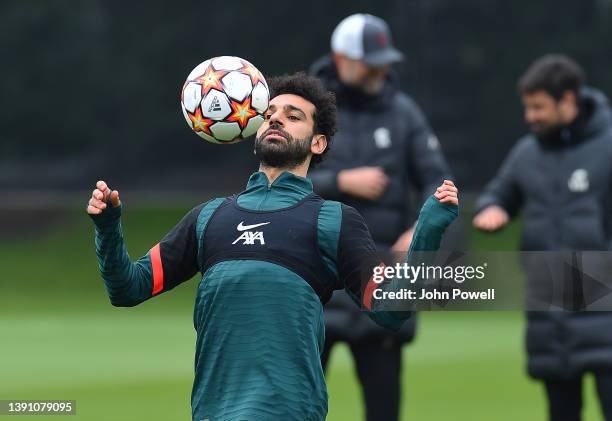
<point x="563" y="186"/>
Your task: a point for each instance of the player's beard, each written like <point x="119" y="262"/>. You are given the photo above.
<point x="281" y="154"/>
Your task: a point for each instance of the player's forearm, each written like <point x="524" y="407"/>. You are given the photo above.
<point x="434" y="219"/>
<point x="127" y="283"/>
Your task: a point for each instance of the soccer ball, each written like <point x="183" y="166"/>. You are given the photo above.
<point x="224" y="98"/>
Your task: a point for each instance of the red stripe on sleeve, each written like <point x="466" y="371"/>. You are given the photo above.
<point x="369" y="291"/>
<point x="158" y="270"/>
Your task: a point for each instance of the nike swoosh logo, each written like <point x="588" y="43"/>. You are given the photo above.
<point x="241" y="227"/>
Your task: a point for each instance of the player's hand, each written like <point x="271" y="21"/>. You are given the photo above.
<point x="447" y="193"/>
<point x="100" y="198"/>
<point x="491" y="218"/>
<point x="363" y="182"/>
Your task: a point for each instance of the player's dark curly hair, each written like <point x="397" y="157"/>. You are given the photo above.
<point x="311" y="89"/>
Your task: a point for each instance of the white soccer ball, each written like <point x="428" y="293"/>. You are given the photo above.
<point x="224" y="98"/>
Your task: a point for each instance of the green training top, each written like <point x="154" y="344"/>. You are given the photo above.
<point x="259" y="324"/>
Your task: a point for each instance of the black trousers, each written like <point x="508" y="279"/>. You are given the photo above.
<point x="379" y="370"/>
<point x="565" y="397"/>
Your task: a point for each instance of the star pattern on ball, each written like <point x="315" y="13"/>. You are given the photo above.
<point x="253" y="73"/>
<point x="200" y="123"/>
<point x="242" y="112"/>
<point x="211" y="79"/>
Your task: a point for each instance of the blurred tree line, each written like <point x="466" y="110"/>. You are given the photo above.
<point x="91" y="88"/>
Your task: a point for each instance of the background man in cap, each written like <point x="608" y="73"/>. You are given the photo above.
<point x="383" y="146"/>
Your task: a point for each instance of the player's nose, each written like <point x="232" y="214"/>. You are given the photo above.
<point x="276" y="118"/>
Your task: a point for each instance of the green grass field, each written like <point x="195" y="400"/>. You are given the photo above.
<point x="61" y="339"/>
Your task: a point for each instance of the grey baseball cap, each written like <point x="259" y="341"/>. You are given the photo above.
<point x="367" y="38"/>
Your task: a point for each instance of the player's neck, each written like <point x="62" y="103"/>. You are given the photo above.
<point x="274" y="172"/>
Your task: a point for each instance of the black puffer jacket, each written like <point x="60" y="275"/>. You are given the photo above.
<point x="386" y="130"/>
<point x="563" y="185"/>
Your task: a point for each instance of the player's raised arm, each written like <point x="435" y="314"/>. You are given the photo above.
<point x="357" y="249"/>
<point x="168" y="263"/>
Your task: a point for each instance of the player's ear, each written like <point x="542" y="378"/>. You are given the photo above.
<point x="318" y="144"/>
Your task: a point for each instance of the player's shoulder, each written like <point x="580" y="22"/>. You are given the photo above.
<point x="201" y="214"/>
<point x="333" y="215"/>
<point x="342" y="222"/>
<point x="205" y="209"/>
<point x="341" y="213"/>
<point x="214" y="202"/>
<point x="330" y="214"/>
<point x="336" y="208"/>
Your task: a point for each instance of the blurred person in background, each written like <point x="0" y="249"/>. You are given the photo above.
<point x="383" y="147"/>
<point x="560" y="175"/>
